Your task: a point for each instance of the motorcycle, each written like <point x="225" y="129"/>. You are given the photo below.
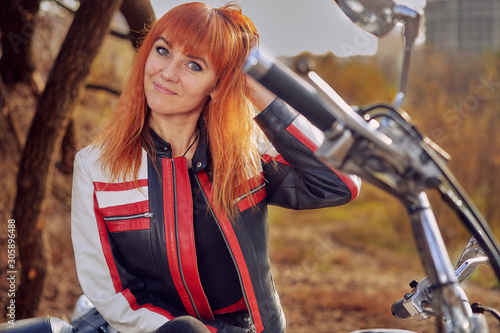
<point x="380" y="144"/>
<point x="84" y="319"/>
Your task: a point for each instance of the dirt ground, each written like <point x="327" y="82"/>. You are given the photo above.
<point x="356" y="294"/>
<point x="324" y="286"/>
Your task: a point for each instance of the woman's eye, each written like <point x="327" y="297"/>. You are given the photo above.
<point x="161" y="51"/>
<point x="195" y="67"/>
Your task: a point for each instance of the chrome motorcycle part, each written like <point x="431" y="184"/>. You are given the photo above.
<point x="374" y="16"/>
<point x="378" y="17"/>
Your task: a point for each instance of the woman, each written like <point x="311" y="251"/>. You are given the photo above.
<point x="169" y="219"/>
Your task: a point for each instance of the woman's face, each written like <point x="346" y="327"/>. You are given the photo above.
<point x="176" y="83"/>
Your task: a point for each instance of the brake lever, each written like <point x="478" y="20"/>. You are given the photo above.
<point x="418" y="303"/>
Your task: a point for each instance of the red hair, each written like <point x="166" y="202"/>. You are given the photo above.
<point x="224" y="35"/>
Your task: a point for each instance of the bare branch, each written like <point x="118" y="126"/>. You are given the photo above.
<point x="107" y="89"/>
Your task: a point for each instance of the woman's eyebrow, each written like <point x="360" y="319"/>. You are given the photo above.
<point x="164" y="40"/>
<point x="201" y="59"/>
<point x="197" y="58"/>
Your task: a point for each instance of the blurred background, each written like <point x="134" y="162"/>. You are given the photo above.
<point x="336" y="269"/>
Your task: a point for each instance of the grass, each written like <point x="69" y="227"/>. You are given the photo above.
<point x="375" y="222"/>
<point x="340" y="269"/>
<point x="374" y="219"/>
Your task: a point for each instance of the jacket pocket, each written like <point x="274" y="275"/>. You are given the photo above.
<point x="247" y="200"/>
<point x="130" y="237"/>
<point x="132" y="222"/>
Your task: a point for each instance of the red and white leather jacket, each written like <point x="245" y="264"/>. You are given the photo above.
<point x="134" y="246"/>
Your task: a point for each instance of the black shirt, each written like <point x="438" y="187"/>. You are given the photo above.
<point x="217" y="271"/>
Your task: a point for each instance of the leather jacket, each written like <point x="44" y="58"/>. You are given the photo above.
<point x="133" y="243"/>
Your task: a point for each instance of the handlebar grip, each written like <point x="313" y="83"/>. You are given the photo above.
<point x="290" y="87"/>
<point x="399" y="311"/>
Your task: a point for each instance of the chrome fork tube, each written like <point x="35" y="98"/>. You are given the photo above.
<point x="438" y="267"/>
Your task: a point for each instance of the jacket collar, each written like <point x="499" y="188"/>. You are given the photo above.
<point x="200" y="157"/>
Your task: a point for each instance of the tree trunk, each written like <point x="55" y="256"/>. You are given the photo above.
<point x="9" y="156"/>
<point x="139" y="14"/>
<point x="68" y="150"/>
<point x="66" y="79"/>
<point x="16" y="31"/>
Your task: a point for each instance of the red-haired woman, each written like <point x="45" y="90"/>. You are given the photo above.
<point x="169" y="210"/>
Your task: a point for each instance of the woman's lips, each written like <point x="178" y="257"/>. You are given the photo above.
<point x="163" y="90"/>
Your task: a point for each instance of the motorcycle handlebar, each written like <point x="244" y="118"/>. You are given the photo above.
<point x="285" y="83"/>
<point x="399" y="311"/>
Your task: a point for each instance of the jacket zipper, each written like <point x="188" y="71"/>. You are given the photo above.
<point x="253" y="191"/>
<point x="127" y="217"/>
<point x="177" y="241"/>
<point x="228" y="247"/>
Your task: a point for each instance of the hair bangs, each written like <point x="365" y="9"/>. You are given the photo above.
<point x="191" y="27"/>
<point x="204" y="31"/>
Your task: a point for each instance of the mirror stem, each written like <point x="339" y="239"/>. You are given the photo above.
<point x="411" y="21"/>
<point x="404" y="75"/>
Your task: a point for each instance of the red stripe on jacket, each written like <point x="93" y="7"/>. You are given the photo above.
<point x="171" y="237"/>
<point x="278" y="158"/>
<point x="186" y="243"/>
<point x="124" y="186"/>
<point x="292" y="129"/>
<point x="134" y="306"/>
<point x="126" y="209"/>
<point x="142" y="223"/>
<point x="106" y="248"/>
<point x="251" y="199"/>
<point x="230" y="235"/>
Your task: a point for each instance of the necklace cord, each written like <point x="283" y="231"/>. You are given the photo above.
<point x="191" y="145"/>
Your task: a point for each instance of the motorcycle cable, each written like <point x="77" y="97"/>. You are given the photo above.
<point x="402" y="119"/>
<point x="479" y="308"/>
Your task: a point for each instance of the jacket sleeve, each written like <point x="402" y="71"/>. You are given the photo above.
<point x="296" y="178"/>
<point x="93" y="259"/>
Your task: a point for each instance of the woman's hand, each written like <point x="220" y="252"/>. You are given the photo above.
<point x="259" y="95"/>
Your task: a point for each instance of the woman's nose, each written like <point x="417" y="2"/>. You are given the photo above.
<point x="171" y="71"/>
